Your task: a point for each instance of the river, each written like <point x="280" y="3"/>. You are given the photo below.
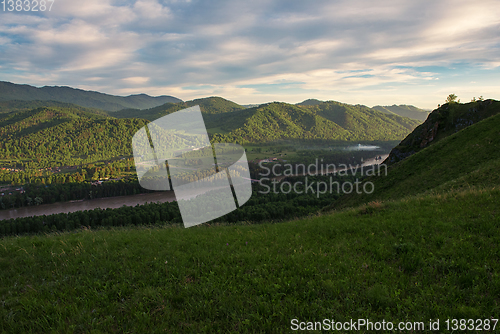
<point x="107" y="202"/>
<point x="103" y="203"/>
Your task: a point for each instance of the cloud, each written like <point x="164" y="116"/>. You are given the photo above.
<point x="137" y="80"/>
<point x="251" y="52"/>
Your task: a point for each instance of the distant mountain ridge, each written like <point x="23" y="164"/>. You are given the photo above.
<point x="309" y="102"/>
<point x="230" y="122"/>
<point x="68" y="133"/>
<point x="401" y="110"/>
<point x="405" y="111"/>
<point x="89" y="99"/>
<point x="226" y="121"/>
<point x="326" y="121"/>
<point x="208" y="105"/>
<point x="18" y="105"/>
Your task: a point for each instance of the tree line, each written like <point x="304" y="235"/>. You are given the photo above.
<point x="260" y="207"/>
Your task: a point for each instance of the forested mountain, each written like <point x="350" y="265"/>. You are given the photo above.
<point x="208" y="105"/>
<point x="325" y="121"/>
<point x="405" y="111"/>
<point x="401" y="110"/>
<point x="89" y="99"/>
<point x="228" y="121"/>
<point x="56" y="136"/>
<point x="18" y="105"/>
<point x="309" y="102"/>
<point x="214" y="105"/>
<point x="61" y="136"/>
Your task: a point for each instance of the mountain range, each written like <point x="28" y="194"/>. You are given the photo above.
<point x="327" y="121"/>
<point x="12" y="96"/>
<point x="401" y="110"/>
<point x="72" y="133"/>
<point x="405" y="111"/>
<point x="74" y="125"/>
<point x="89" y="99"/>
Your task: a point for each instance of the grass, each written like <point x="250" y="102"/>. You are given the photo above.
<point x="467" y="158"/>
<point x="421" y="258"/>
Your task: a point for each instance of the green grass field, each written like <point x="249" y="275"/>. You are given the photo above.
<point x="416" y="259"/>
<point x="422" y="247"/>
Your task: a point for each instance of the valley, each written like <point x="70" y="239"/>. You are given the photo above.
<point x="84" y="248"/>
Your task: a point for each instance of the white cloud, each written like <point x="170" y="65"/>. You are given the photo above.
<point x="151" y="9"/>
<point x="137" y="80"/>
<point x="159" y="47"/>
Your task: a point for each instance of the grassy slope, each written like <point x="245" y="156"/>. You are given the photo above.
<point x="470" y="157"/>
<point x="442" y="122"/>
<point x="422" y="258"/>
<point x="430" y="255"/>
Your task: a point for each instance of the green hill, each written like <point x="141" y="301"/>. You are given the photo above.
<point x="326" y="121"/>
<point x="214" y="105"/>
<point x="418" y="260"/>
<point x="442" y="122"/>
<point x="424" y="247"/>
<point x="149" y="114"/>
<point x="230" y="122"/>
<point x="404" y="111"/>
<point x="72" y="134"/>
<point x="17" y="105"/>
<point x="467" y="159"/>
<point x="208" y="106"/>
<point x="309" y="102"/>
<point x="89" y="99"/>
<point x="64" y="134"/>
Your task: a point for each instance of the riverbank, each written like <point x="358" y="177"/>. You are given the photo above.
<point x="116" y="202"/>
<point x="103" y="203"/>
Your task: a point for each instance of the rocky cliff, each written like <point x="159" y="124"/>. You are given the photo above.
<point x="442" y="122"/>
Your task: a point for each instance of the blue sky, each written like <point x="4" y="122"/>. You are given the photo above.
<point x="359" y="52"/>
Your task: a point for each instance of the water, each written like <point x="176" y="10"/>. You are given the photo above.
<point x="360" y="147"/>
<point x="112" y="202"/>
<point x="73" y="206"/>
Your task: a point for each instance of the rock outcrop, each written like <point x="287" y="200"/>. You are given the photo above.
<point x="442" y="122"/>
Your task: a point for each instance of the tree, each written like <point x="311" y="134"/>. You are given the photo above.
<point x="452" y="98"/>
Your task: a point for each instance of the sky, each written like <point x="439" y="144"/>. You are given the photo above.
<point x="250" y="52"/>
